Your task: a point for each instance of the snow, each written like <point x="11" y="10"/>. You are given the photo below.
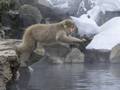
<point x="86" y="25"/>
<point x="108" y="5"/>
<point x="50" y="2"/>
<point x="63" y="6"/>
<point x="94" y="13"/>
<point x="81" y="7"/>
<point x="109" y="37"/>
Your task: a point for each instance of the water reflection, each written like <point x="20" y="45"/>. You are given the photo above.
<point x="97" y="76"/>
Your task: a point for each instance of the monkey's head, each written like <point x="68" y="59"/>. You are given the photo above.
<point x="69" y="26"/>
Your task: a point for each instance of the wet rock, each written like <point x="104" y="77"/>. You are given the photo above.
<point x="9" y="18"/>
<point x="29" y="15"/>
<point x="27" y="59"/>
<point x="108" y="15"/>
<point x="74" y="56"/>
<point x="8" y="62"/>
<point x="56" y="52"/>
<point x="115" y="54"/>
<point x="63" y="53"/>
<point x="16" y="5"/>
<point x="45" y="8"/>
<point x="82" y="46"/>
<point x="97" y="55"/>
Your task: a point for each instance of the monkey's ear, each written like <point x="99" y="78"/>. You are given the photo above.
<point x="66" y="24"/>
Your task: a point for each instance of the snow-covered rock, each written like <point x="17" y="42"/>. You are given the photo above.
<point x="103" y="6"/>
<point x="86" y="25"/>
<point x="94" y="13"/>
<point x="108" y="5"/>
<point x="63" y="6"/>
<point x="109" y="37"/>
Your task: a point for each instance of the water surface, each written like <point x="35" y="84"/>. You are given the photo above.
<point x="97" y="76"/>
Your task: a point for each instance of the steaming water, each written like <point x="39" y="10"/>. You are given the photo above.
<point x="98" y="76"/>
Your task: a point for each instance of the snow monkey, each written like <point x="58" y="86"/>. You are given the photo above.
<point x="46" y="34"/>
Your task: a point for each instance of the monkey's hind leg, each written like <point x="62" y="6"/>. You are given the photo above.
<point x="23" y="58"/>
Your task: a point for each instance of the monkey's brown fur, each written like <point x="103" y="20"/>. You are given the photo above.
<point x="47" y="33"/>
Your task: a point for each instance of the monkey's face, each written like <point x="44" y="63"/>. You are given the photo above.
<point x="69" y="26"/>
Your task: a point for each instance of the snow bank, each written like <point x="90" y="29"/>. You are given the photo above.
<point x="94" y="13"/>
<point x="109" y="37"/>
<point x="108" y="5"/>
<point x="86" y="25"/>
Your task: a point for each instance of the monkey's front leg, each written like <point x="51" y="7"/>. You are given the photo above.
<point x="70" y="39"/>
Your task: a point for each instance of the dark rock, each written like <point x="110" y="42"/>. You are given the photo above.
<point x="74" y="56"/>
<point x="97" y="55"/>
<point x="63" y="53"/>
<point x="16" y="5"/>
<point x="27" y="59"/>
<point x="56" y="52"/>
<point x="31" y="2"/>
<point x="45" y="8"/>
<point x="29" y="15"/>
<point x="82" y="46"/>
<point x="108" y="15"/>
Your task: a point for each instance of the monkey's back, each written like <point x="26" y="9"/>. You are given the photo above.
<point x="44" y="33"/>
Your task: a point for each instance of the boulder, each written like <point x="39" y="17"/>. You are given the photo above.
<point x="56" y="52"/>
<point x="92" y="55"/>
<point x="74" y="56"/>
<point x="115" y="54"/>
<point x="16" y="5"/>
<point x="63" y="53"/>
<point x="45" y="7"/>
<point x="30" y="2"/>
<point x="29" y="15"/>
<point x="8" y="62"/>
<point x="108" y="15"/>
<point x="27" y="59"/>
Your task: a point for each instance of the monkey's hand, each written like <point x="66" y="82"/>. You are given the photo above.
<point x="61" y="36"/>
<point x="83" y="40"/>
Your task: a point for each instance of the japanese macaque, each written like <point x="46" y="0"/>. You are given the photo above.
<point x="46" y="34"/>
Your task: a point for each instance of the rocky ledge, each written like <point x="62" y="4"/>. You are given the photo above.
<point x="9" y="62"/>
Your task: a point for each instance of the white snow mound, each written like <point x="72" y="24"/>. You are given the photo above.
<point x="86" y="25"/>
<point x="109" y="37"/>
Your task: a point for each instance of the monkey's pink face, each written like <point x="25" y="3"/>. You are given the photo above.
<point x="72" y="29"/>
